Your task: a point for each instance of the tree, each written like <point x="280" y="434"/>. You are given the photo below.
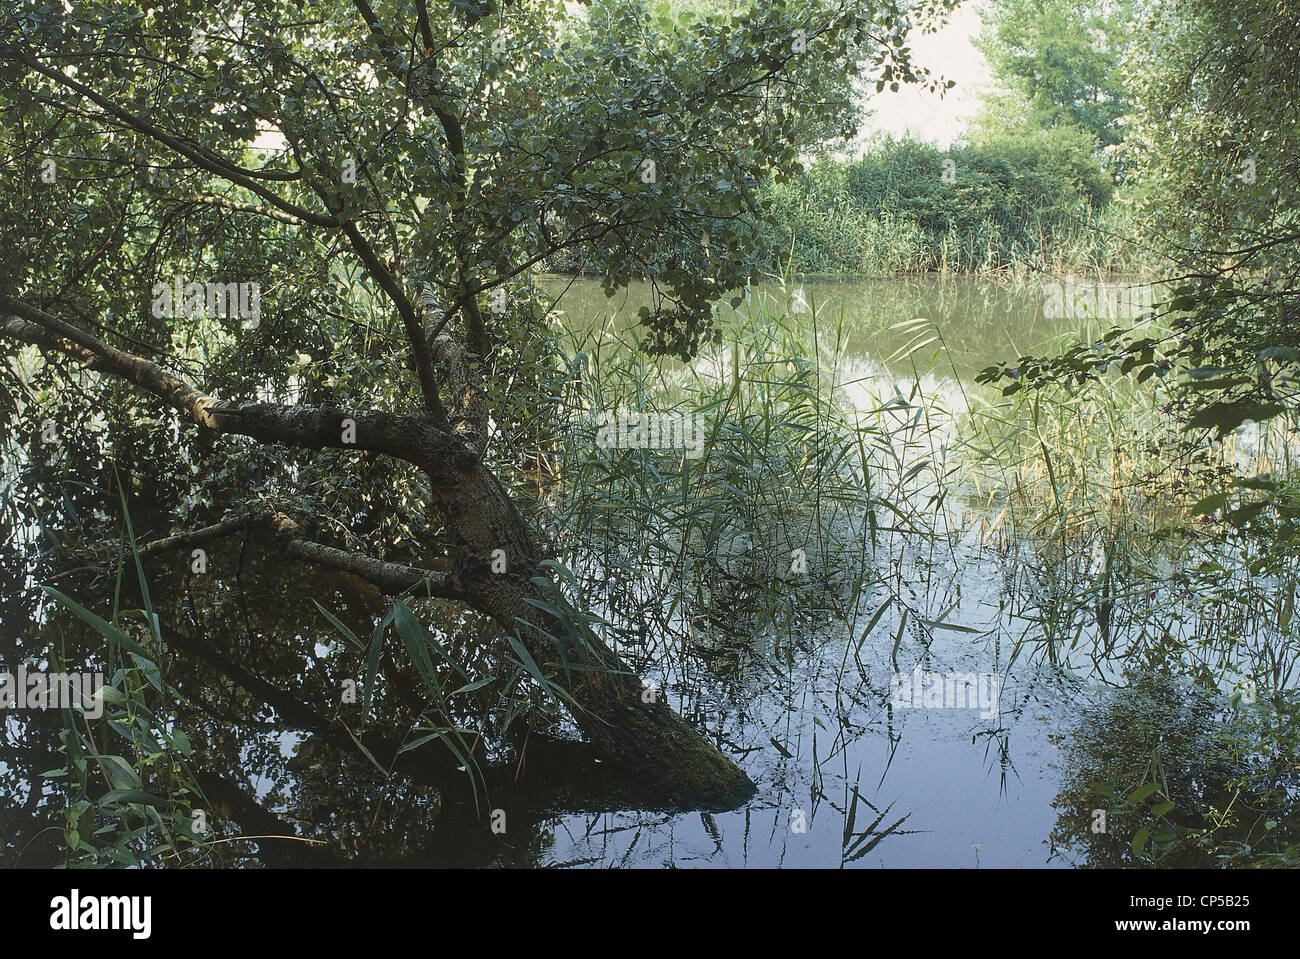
<point x="1219" y="153"/>
<point x="1214" y="148"/>
<point x="1215" y="136"/>
<point x="387" y="173"/>
<point x="1060" y="63"/>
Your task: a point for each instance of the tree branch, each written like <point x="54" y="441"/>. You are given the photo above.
<point x="440" y="453"/>
<point x="391" y="578"/>
<point x="197" y="537"/>
<point x="410" y="321"/>
<point x="202" y="158"/>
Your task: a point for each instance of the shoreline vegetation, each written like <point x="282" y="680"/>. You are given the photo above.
<point x="1009" y="205"/>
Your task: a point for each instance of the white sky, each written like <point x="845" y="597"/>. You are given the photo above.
<point x="950" y="53"/>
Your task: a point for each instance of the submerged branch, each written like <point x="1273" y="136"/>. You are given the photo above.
<point x="390" y="578"/>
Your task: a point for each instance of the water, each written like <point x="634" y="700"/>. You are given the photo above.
<point x="979" y="321"/>
<point x="845" y="774"/>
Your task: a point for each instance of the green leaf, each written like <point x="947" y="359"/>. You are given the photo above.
<point x="950" y="626"/>
<point x="1141" y="793"/>
<point x="347" y="633"/>
<point x="119" y="772"/>
<point x="1140" y="841"/>
<point x="1227" y="416"/>
<point x="106" y="629"/>
<point x="130" y="796"/>
<point x="372" y="660"/>
<point x="113" y="696"/>
<point x="417" y="743"/>
<point x="411" y="631"/>
<point x="470" y="687"/>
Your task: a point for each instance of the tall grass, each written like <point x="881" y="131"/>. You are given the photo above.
<point x="1093" y="491"/>
<point x="777" y="506"/>
<point x="1112" y="527"/>
<point x="833" y="235"/>
<point x="784" y="532"/>
<point x="131" y="797"/>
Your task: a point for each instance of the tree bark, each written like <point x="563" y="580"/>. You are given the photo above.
<point x="622" y="721"/>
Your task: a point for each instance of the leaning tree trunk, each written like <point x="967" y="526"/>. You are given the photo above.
<point x="639" y="733"/>
<point x="646" y="737"/>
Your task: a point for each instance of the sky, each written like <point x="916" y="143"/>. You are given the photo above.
<point x="948" y="52"/>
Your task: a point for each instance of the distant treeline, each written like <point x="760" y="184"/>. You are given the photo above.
<point x="1040" y="200"/>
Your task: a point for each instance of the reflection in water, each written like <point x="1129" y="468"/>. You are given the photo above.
<point x="803" y="700"/>
<point x="979" y="322"/>
<point x="1164" y="762"/>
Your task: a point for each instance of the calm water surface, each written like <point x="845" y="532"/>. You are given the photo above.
<point x="844" y="775"/>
